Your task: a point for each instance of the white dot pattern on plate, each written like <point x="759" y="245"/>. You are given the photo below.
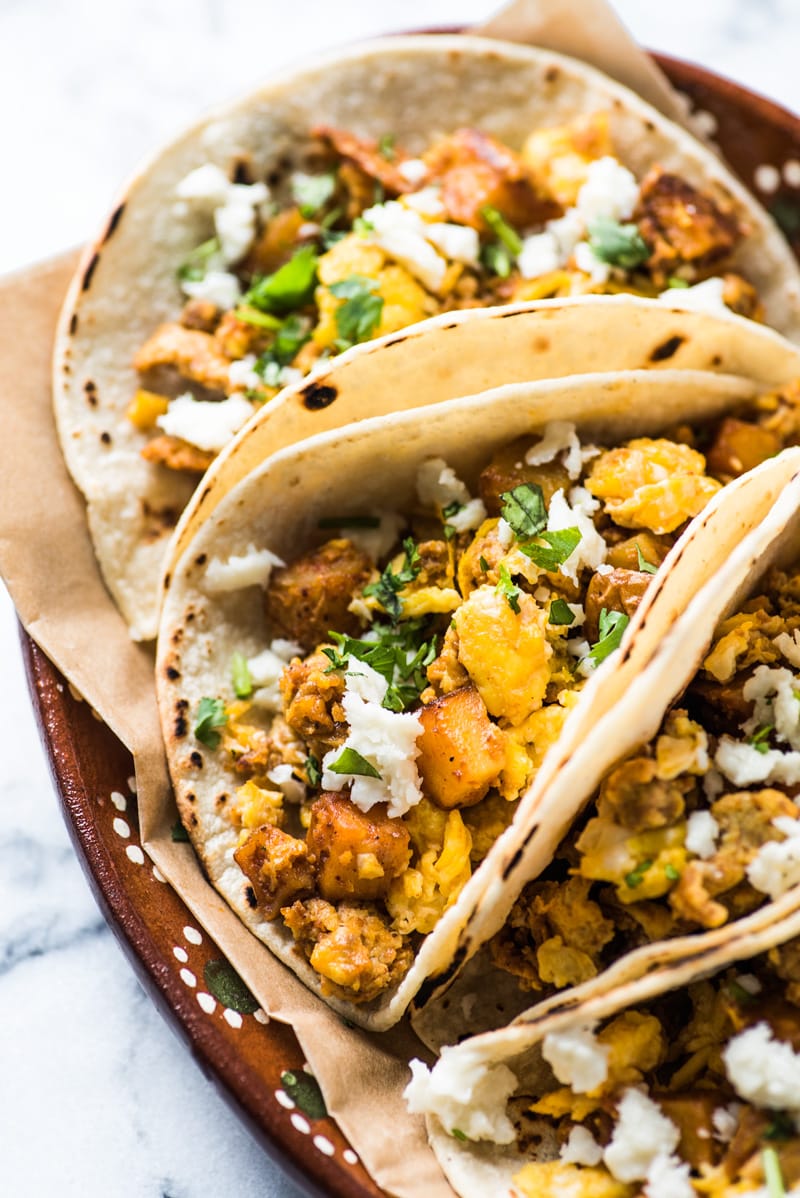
<point x="119" y="800"/>
<point x="132" y="784"/>
<point x="192" y="935"/>
<point x="121" y="827"/>
<point x="791" y="172"/>
<point x="207" y="1003"/>
<point x="135" y="854"/>
<point x="284" y="1099"/>
<point x="261" y="1016"/>
<point x="704" y="122"/>
<point x="324" y="1145"/>
<point x="767" y="177"/>
<point x="232" y="1017"/>
<point x="180" y="954"/>
<point x="157" y="874"/>
<point x="350" y="1156"/>
<point x="188" y="977"/>
<point x="300" y="1123"/>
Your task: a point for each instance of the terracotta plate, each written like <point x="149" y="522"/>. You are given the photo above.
<point x="258" y="1064"/>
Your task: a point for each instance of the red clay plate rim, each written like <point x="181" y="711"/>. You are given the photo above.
<point x="311" y="1171"/>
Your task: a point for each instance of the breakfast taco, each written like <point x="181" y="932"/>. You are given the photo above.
<point x="338" y="205"/>
<point x="381" y="642"/>
<point x="691" y="822"/>
<point x="679" y="1085"/>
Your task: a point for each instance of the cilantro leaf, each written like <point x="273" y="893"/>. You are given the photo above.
<point x="400" y="653"/>
<point x="508" y="589"/>
<point x="619" y="245"/>
<point x="525" y="510"/>
<point x="560" y="613"/>
<point x="772" y="1173"/>
<point x="386" y="589"/>
<point x="240" y="673"/>
<point x="386" y="146"/>
<point x="458" y="1134"/>
<point x="350" y="761"/>
<point x="313" y="771"/>
<point x="312" y="192"/>
<point x="290" y="337"/>
<point x="561" y="544"/>
<point x="360" y="314"/>
<point x="612" y="626"/>
<point x="671" y="873"/>
<point x="196" y="264"/>
<point x="760" y="738"/>
<point x="644" y="566"/>
<point x="210" y="716"/>
<point x="636" y="876"/>
<point x="251" y="315"/>
<point x="496" y="259"/>
<point x="290" y="287"/>
<point x="509" y="237"/>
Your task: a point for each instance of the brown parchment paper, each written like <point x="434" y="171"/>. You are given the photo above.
<point x="47" y="562"/>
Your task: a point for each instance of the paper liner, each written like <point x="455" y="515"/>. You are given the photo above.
<point x="47" y="561"/>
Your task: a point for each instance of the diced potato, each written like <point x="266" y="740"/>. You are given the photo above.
<point x="145" y="408"/>
<point x="739" y="446"/>
<point x="506" y="653"/>
<point x="277" y="866"/>
<point x="461" y="751"/>
<point x="357" y="854"/>
<point x="624" y="556"/>
<point x="352" y="255"/>
<point x="508" y="469"/>
<point x="276" y="243"/>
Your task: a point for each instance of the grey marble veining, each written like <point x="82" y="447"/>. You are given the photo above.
<point x="96" y="1096"/>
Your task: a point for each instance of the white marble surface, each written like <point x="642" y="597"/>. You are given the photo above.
<point x="96" y="1096"/>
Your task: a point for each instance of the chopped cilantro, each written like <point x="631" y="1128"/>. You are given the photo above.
<point x="644" y="566"/>
<point x="362" y="226"/>
<point x="760" y="738"/>
<point x="619" y="245"/>
<point x="312" y="192"/>
<point x="509" y="237"/>
<point x="636" y="876"/>
<point x="195" y="265"/>
<point x="240" y="673"/>
<point x="451" y="509"/>
<point x="210" y="716"/>
<point x="781" y="1128"/>
<point x="561" y="544"/>
<point x="290" y="337"/>
<point x="349" y="522"/>
<point x="484" y="565"/>
<point x="290" y="287"/>
<point x="313" y="771"/>
<point x="612" y="626"/>
<point x="738" y="993"/>
<point x="401" y="654"/>
<point x="178" y="834"/>
<point x="449" y="532"/>
<point x="386" y="146"/>
<point x="671" y="873"/>
<point x="350" y="761"/>
<point x="458" y="1134"/>
<point x="360" y="314"/>
<point x="524" y="509"/>
<point x="496" y="258"/>
<point x="560" y="613"/>
<point x="772" y="1173"/>
<point x="261" y="320"/>
<point x="677" y="284"/>
<point x="386" y="589"/>
<point x="508" y="589"/>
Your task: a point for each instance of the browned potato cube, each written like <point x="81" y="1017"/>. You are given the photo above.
<point x="309" y="598"/>
<point x="738" y="447"/>
<point x="621" y="590"/>
<point x="277" y="866"/>
<point x="623" y="556"/>
<point x="357" y="853"/>
<point x="508" y="469"/>
<point x="461" y="751"/>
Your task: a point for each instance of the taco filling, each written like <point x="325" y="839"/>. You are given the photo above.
<point x="368" y="239"/>
<point x="698" y="1093"/>
<point x="697" y="828"/>
<point x="417" y="668"/>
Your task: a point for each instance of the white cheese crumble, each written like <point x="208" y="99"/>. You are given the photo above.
<point x="749" y="983"/>
<point x="386" y="739"/>
<point x="763" y="1070"/>
<point x="713" y="785"/>
<point x="703" y="297"/>
<point x="668" y="1177"/>
<point x="776" y="866"/>
<point x="581" y="1148"/>
<point x="438" y="486"/>
<point x="402" y="235"/>
<point x="504" y="533"/>
<point x="459" y="243"/>
<point x="587" y="261"/>
<point x="610" y="191"/>
<point x="702" y="831"/>
<point x="470" y="516"/>
<point x="292" y="788"/>
<point x="209" y="425"/>
<point x="576" y="512"/>
<point x="540" y="255"/>
<point x="560" y="436"/>
<point x="413" y="170"/>
<point x="207" y="185"/>
<point x="772" y="692"/>
<point x="248" y="569"/>
<point x="265" y="670"/>
<point x="641" y="1135"/>
<point x="219" y="287"/>
<point x="427" y="202"/>
<point x="241" y="373"/>
<point x="464" y="1094"/>
<point x="789" y="646"/>
<point x="744" y="764"/>
<point x="725" y="1120"/>
<point x="234" y="206"/>
<point x="577" y="1058"/>
<point x="376" y="542"/>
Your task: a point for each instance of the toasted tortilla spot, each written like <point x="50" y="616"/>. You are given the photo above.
<point x="180" y="728"/>
<point x="196" y="759"/>
<point x="116" y="216"/>
<point x="73" y="324"/>
<point x="105" y="438"/>
<point x="319" y="396"/>
<point x="250" y="897"/>
<point x="172" y="673"/>
<point x="667" y="349"/>
<point x="87" y="274"/>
